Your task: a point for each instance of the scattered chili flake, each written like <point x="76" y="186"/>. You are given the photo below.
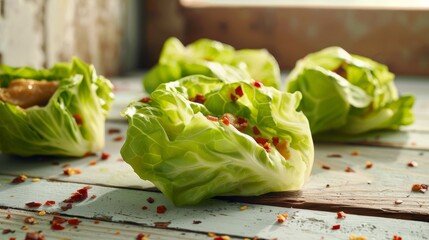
<point x="58" y="220"/>
<point x="78" y="118"/>
<point x="233" y="97"/>
<point x="117" y="233"/>
<point x="96" y="221"/>
<point x="336" y="227"/>
<point x="104" y="156"/>
<point x="225" y="120"/>
<point x="113" y="130"/>
<point x="67" y="207"/>
<point x="258" y="84"/>
<point x="73" y="221"/>
<point x="239" y="91"/>
<point x="326" y="167"/>
<point x="199" y="98"/>
<point x="29" y="220"/>
<point x="368" y="164"/>
<point x="66" y="165"/>
<point x="141" y="236"/>
<point x="261" y="140"/>
<point x="255" y="130"/>
<point x="8" y="216"/>
<point x="7" y="231"/>
<point x="78" y="196"/>
<point x="56" y="226"/>
<point x="244" y="207"/>
<point x="88" y="154"/>
<point x="34" y="236"/>
<point x="196" y="222"/>
<point x="144" y="207"/>
<point x="71" y="171"/>
<point x="282" y="217"/>
<point x="334" y="156"/>
<point x="398" y="201"/>
<point x="355" y="153"/>
<point x="419" y="187"/>
<point x="41" y="213"/>
<point x="49" y="203"/>
<point x="146" y="100"/>
<point x="211" y="234"/>
<point x="349" y="169"/>
<point x="19" y="179"/>
<point x="93" y="196"/>
<point x="267" y="147"/>
<point x="222" y="238"/>
<point x="92" y="163"/>
<point x="150" y="200"/>
<point x="412" y="164"/>
<point x="396" y="237"/>
<point x="341" y="215"/>
<point x="161" y="209"/>
<point x="212" y="118"/>
<point x="33" y="204"/>
<point x="12" y="238"/>
<point x="275" y="140"/>
<point x="118" y="138"/>
<point x="25" y="228"/>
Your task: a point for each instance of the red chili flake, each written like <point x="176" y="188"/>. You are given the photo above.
<point x="56" y="226"/>
<point x="162" y="224"/>
<point x="225" y="237"/>
<point x="96" y="221"/>
<point x="336" y="227"/>
<point x="8" y="216"/>
<point x="240" y="123"/>
<point x="233" y="97"/>
<point x="73" y="221"/>
<point x="34" y="236"/>
<point x="29" y="220"/>
<point x="66" y="165"/>
<point x="412" y="164"/>
<point x="92" y="163"/>
<point x="88" y="154"/>
<point x="396" y="237"/>
<point x="49" y="203"/>
<point x="141" y="236"/>
<point x="255" y="130"/>
<point x="71" y="171"/>
<point x="341" y="215"/>
<point x="93" y="196"/>
<point x="334" y="156"/>
<point x="225" y="120"/>
<point x="258" y="84"/>
<point x="78" y="118"/>
<point x="199" y="98"/>
<point x="349" y="169"/>
<point x="419" y="187"/>
<point x="12" y="238"/>
<point x="113" y="130"/>
<point x="78" y="196"/>
<point x="144" y="207"/>
<point x="146" y="100"/>
<point x="275" y="141"/>
<point x="211" y="234"/>
<point x="118" y="138"/>
<point x="104" y="156"/>
<point x="66" y="207"/>
<point x="261" y="140"/>
<point x="326" y="167"/>
<point x="211" y="118"/>
<point x="282" y="217"/>
<point x="33" y="204"/>
<point x="267" y="147"/>
<point x="239" y="91"/>
<point x="58" y="220"/>
<point x="196" y="222"/>
<point x="161" y="209"/>
<point x="368" y="164"/>
<point x="19" y="179"/>
<point x="150" y="200"/>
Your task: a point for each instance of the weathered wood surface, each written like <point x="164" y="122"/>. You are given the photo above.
<point x="113" y="205"/>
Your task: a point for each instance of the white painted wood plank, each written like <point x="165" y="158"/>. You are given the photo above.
<point x="125" y="205"/>
<point x="87" y="229"/>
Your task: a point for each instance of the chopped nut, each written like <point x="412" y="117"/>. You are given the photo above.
<point x="355" y="153"/>
<point x="349" y="169"/>
<point x="357" y="237"/>
<point x="41" y="213"/>
<point x="35" y="179"/>
<point x="282" y="217"/>
<point x="244" y="207"/>
<point x="368" y="164"/>
<point x="398" y="201"/>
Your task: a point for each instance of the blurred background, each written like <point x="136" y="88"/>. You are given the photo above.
<point x="123" y="36"/>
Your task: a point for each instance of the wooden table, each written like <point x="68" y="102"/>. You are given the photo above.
<point x="378" y="201"/>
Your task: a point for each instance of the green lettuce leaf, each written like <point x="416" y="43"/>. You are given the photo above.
<point x="348" y="94"/>
<point x="196" y="149"/>
<point x="53" y="129"/>
<point x="212" y="59"/>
